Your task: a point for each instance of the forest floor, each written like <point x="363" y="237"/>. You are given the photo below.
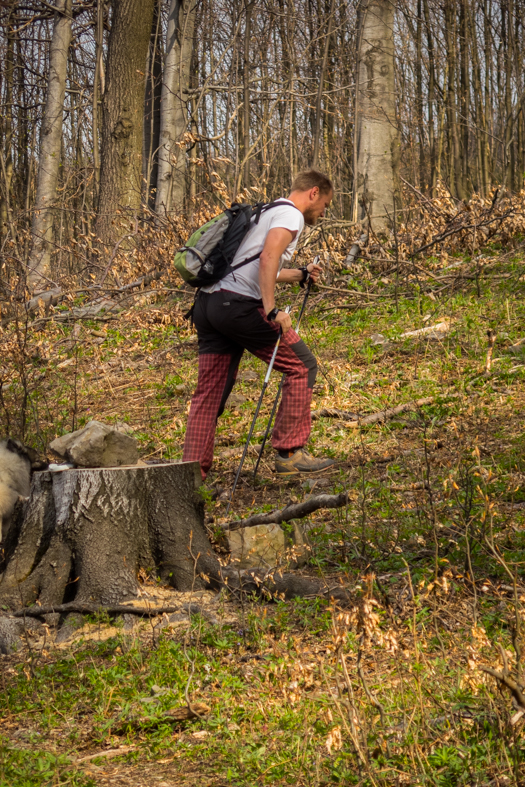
<point x="432" y="544"/>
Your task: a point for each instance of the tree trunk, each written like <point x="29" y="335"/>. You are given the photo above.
<point x="248" y="6"/>
<point x="376" y="136"/>
<point x="431" y="95"/>
<point x="320" y="87"/>
<point x="465" y="66"/>
<point x="122" y="115"/>
<point x="455" y="164"/>
<point x="7" y="128"/>
<point x="174" y="115"/>
<point x="419" y="96"/>
<point x="49" y="160"/>
<point x="98" y="89"/>
<point x="85" y="534"/>
<point x="152" y="110"/>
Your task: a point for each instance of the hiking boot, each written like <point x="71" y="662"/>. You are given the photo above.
<point x="300" y="462"/>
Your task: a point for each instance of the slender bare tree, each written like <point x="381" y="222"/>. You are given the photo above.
<point x="171" y="177"/>
<point x="50" y="149"/>
<point x="377" y="140"/>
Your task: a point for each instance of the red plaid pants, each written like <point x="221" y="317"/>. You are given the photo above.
<point x="227" y="324"/>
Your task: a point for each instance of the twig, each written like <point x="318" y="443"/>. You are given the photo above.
<point x="491" y="338"/>
<point x="372" y="699"/>
<point x="295" y="511"/>
<point x="507" y="681"/>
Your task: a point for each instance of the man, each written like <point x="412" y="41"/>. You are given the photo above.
<point x="239" y="313"/>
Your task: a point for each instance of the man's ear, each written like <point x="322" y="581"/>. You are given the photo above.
<point x="314" y="193"/>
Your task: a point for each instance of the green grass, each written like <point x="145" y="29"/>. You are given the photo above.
<point x="434" y="513"/>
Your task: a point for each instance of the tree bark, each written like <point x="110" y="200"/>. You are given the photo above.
<point x="98" y="89"/>
<point x="85" y="534"/>
<point x="152" y="110"/>
<point x="122" y="116"/>
<point x="320" y="87"/>
<point x="431" y="96"/>
<point x="455" y="165"/>
<point x="376" y="137"/>
<point x="50" y="149"/>
<point x="7" y="127"/>
<point x="171" y="178"/>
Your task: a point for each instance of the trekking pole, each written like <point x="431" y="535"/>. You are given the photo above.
<point x="252" y="427"/>
<point x="279" y="390"/>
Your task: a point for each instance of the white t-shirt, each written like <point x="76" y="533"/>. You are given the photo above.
<point x="245" y="281"/>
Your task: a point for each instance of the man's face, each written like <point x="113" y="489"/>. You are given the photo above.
<point x="318" y="204"/>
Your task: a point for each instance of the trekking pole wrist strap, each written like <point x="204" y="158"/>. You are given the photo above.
<point x="306" y="275"/>
<point x="272" y="314"/>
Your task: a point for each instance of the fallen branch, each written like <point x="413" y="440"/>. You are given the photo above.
<point x="292" y="511"/>
<point x="45" y="300"/>
<point x="384" y="415"/>
<point x="273" y="585"/>
<point x="186" y="713"/>
<point x="507" y="681"/>
<point x="93" y="609"/>
<point x="107" y="754"/>
<point x="379" y="417"/>
<point x="332" y="412"/>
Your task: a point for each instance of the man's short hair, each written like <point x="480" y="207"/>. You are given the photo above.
<point x="307" y="180"/>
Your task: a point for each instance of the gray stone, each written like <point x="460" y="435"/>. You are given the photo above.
<point x="97" y="445"/>
<point x="267" y="546"/>
<point x="248" y="376"/>
<point x="236" y="399"/>
<point x="10" y="631"/>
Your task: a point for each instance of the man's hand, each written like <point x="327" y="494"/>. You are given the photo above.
<point x="315" y="271"/>
<point x="284" y="320"/>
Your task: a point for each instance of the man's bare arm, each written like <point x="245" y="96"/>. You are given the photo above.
<point x="276" y="242"/>
<point x="295" y="275"/>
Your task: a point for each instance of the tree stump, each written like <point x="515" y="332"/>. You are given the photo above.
<point x="84" y="535"/>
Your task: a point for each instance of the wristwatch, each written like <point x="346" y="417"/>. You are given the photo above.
<point x="272" y="314"/>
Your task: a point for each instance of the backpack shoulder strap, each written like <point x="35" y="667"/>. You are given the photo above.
<point x="259" y="208"/>
<point x="262" y="207"/>
<point x="280" y="202"/>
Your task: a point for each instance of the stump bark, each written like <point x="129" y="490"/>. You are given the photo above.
<point x="84" y="535"/>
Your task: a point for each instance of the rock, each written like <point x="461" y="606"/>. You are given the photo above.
<point x="378" y="340"/>
<point x="97" y="445"/>
<point x="248" y="376"/>
<point x="10" y="630"/>
<point x="266" y="546"/>
<point x="235" y="399"/>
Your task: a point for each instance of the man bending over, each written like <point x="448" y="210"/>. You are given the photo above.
<point x="239" y="313"/>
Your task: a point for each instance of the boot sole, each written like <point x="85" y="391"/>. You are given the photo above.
<point x="302" y="472"/>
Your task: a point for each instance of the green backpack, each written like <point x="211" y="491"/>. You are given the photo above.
<point x="208" y="254"/>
